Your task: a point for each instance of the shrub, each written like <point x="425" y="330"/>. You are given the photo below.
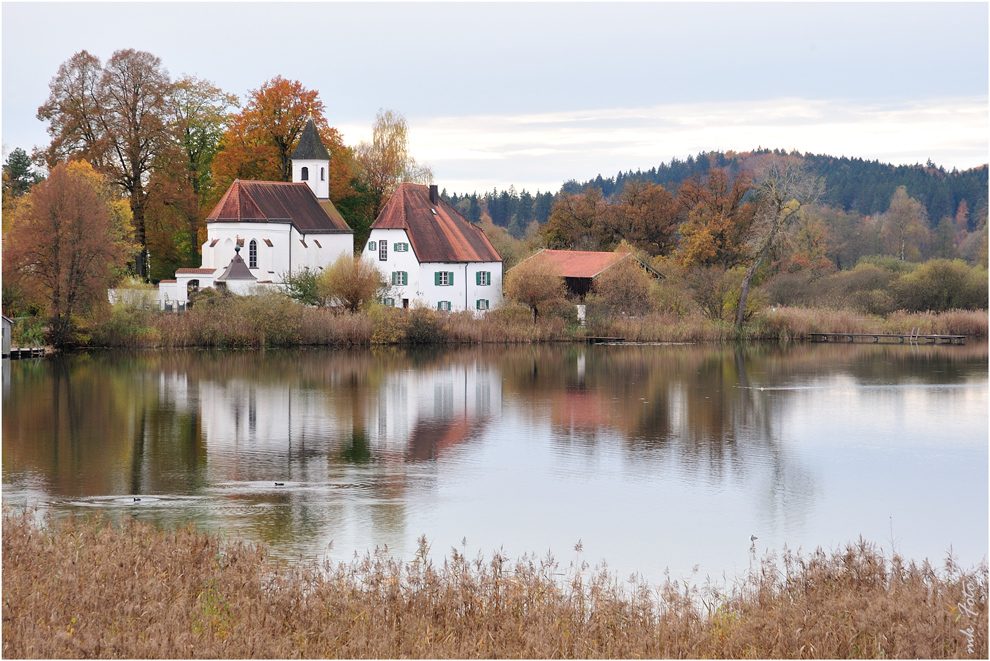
<point x="940" y="285"/>
<point x="351" y="282"/>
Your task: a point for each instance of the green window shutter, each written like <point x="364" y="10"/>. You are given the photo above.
<point x="477" y="278"/>
<point x="372" y="245"/>
<point x="436" y="278"/>
<point x="450" y="278"/>
<point x="393" y="277"/>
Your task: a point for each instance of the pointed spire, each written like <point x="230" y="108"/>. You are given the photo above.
<point x="310" y="146"/>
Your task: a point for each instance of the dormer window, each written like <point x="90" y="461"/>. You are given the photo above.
<point x="304" y="175"/>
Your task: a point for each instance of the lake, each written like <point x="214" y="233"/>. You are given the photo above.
<point x="653" y="457"/>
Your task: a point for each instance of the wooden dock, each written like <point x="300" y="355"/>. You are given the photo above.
<point x="606" y="340"/>
<point x="25" y="352"/>
<point x="883" y="338"/>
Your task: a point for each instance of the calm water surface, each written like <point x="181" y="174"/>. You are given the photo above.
<point x="653" y="457"/>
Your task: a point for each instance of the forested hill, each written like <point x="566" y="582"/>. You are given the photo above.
<point x="852" y="184"/>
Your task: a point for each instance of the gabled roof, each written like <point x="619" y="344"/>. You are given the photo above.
<point x="578" y="263"/>
<point x="236" y="270"/>
<point x="277" y="202"/>
<point x="437" y="233"/>
<point x="310" y="146"/>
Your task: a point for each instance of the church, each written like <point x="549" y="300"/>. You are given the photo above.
<point x="260" y="231"/>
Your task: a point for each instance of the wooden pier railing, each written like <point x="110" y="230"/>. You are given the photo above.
<point x="910" y="338"/>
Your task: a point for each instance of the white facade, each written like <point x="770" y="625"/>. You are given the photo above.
<point x="279" y="248"/>
<point x="475" y="286"/>
<point x="315" y="173"/>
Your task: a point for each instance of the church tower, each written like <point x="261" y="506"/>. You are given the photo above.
<point x="311" y="162"/>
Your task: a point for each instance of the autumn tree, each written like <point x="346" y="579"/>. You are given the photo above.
<point x="580" y="221"/>
<point x="536" y="284"/>
<point x="385" y="161"/>
<point x="783" y="187"/>
<point x="67" y="249"/>
<point x="258" y="142"/>
<point x="904" y="226"/>
<point x="351" y="282"/>
<point x="647" y="216"/>
<point x="716" y="220"/>
<point x="114" y="116"/>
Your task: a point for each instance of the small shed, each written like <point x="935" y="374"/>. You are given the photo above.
<point x="579" y="268"/>
<point x="8" y="327"/>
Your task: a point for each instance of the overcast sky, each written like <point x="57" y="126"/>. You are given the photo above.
<point x="535" y="94"/>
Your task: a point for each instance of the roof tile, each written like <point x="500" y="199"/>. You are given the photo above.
<point x="277" y="202"/>
<point x="444" y="236"/>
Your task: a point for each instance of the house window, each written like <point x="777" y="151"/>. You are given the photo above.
<point x="372" y="245"/>
<point x="400" y="278"/>
<point x="443" y="278"/>
<point x="382" y="251"/>
<point x="390" y="302"/>
<point x="443" y="305"/>
<point x="322" y="174"/>
<point x="253" y="254"/>
<point x="482" y="304"/>
<point x="304" y="176"/>
<point x="483" y="278"/>
<point x="401" y="247"/>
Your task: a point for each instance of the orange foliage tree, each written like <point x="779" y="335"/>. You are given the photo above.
<point x="717" y="220"/>
<point x="68" y="247"/>
<point x="259" y="141"/>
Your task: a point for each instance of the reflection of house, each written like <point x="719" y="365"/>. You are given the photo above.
<point x="433" y="255"/>
<point x="580" y="268"/>
<point x="280" y="228"/>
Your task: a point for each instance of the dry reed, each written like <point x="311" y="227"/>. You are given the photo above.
<point x="76" y="588"/>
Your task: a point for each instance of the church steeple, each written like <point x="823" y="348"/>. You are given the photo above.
<point x="311" y="161"/>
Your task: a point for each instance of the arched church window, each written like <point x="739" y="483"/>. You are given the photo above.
<point x="305" y="174"/>
<point x="322" y="171"/>
<point x="253" y="253"/>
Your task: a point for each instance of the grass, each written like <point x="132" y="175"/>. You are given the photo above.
<point x="88" y="588"/>
<point x="273" y="320"/>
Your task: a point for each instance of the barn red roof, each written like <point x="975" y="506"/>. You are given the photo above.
<point x="580" y="264"/>
<point x="437" y="232"/>
<point x="277" y="202"/>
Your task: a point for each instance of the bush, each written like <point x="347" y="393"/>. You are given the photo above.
<point x="940" y="285"/>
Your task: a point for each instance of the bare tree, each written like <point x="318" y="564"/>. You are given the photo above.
<point x="386" y="161"/>
<point x="782" y="188"/>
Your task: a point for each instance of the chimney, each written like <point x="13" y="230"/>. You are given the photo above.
<point x="434" y="195"/>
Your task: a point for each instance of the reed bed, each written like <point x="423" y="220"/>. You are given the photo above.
<point x="88" y="588"/>
<point x="274" y="320"/>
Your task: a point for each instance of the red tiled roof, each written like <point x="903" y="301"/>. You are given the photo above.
<point x="199" y="271"/>
<point x="277" y="202"/>
<point x="445" y="236"/>
<point x="580" y="264"/>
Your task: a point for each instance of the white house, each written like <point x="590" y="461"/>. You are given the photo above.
<point x="279" y="227"/>
<point x="432" y="255"/>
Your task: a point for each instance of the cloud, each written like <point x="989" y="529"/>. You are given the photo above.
<point x="540" y="151"/>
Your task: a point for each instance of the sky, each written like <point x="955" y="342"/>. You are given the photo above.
<point x="533" y="94"/>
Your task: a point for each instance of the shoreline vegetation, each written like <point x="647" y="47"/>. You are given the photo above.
<point x="77" y="587"/>
<point x="274" y="320"/>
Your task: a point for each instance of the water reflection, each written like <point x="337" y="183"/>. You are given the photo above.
<point x="366" y="448"/>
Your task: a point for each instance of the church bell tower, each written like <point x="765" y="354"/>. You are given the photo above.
<point x="311" y="162"/>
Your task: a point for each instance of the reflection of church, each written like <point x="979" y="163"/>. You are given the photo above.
<point x="260" y="231"/>
<point x="410" y="415"/>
